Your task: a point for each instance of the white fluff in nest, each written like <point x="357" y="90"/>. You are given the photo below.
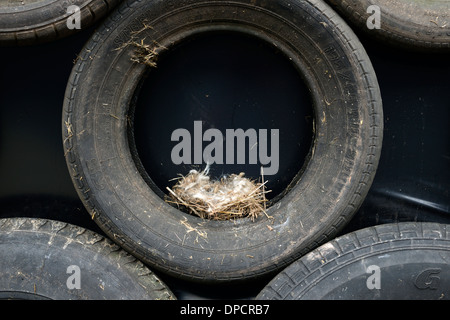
<point x="233" y="196"/>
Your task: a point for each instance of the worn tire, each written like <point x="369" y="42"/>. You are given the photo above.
<point x="39" y="257"/>
<point x="333" y="184"/>
<point x="31" y="22"/>
<point x="420" y="25"/>
<point x="409" y="259"/>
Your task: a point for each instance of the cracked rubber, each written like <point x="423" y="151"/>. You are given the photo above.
<point x="413" y="24"/>
<point x="28" y="22"/>
<point x="411" y="261"/>
<point x="38" y="255"/>
<point x="338" y="173"/>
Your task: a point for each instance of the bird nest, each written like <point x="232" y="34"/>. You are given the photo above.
<point x="233" y="196"/>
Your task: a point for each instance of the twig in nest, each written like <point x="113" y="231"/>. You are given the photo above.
<point x="230" y="197"/>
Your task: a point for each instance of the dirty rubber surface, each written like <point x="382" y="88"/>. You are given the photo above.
<point x="418" y="24"/>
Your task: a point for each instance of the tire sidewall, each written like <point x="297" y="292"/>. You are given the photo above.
<point x="403" y="261"/>
<point x="334" y="181"/>
<point x="422" y="29"/>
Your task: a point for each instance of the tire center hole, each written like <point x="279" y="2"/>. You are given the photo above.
<point x="223" y="81"/>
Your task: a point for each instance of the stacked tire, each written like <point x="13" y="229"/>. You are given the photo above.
<point x="404" y="261"/>
<point x="44" y="259"/>
<point x="32" y="22"/>
<point x="341" y="166"/>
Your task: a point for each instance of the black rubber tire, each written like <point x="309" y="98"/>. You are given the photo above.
<point x="333" y="184"/>
<point x="412" y="259"/>
<point x="37" y="262"/>
<point x="37" y="21"/>
<point x="420" y="25"/>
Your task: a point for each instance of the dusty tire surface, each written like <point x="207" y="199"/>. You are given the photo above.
<point x="418" y="24"/>
<point x="330" y="188"/>
<point x="389" y="262"/>
<point x="37" y="21"/>
<point x="41" y="259"/>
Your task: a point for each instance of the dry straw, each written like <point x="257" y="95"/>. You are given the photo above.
<point x="230" y="197"/>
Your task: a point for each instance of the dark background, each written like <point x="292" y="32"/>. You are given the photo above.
<point x="412" y="182"/>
